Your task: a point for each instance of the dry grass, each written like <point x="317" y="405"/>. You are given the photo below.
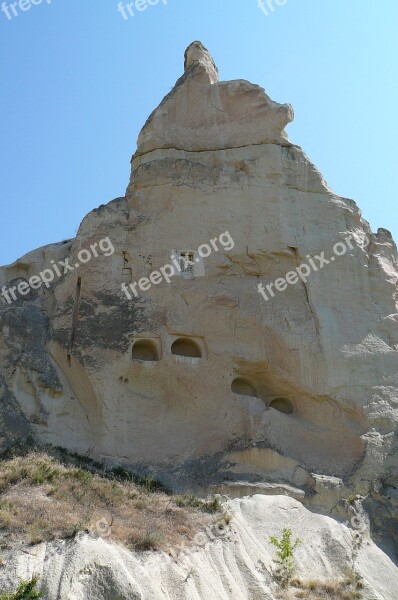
<point x="316" y="590"/>
<point x="44" y="497"/>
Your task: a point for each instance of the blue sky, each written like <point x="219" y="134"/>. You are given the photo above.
<point x="78" y="82"/>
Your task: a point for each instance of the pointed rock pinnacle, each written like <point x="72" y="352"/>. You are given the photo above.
<point x="197" y="55"/>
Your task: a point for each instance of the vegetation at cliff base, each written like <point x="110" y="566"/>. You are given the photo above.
<point x="49" y="494"/>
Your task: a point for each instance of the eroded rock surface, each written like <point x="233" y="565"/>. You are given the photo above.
<point x="297" y="394"/>
<point x="238" y="565"/>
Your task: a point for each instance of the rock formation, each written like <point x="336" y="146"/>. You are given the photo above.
<point x="237" y="566"/>
<point x="203" y="381"/>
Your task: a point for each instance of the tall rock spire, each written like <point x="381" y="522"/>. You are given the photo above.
<point x="196" y="55"/>
<point x="202" y="113"/>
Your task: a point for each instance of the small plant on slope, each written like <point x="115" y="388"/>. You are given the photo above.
<point x="285" y="552"/>
<point x="27" y="590"/>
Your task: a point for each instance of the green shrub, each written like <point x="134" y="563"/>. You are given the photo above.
<point x="27" y="590"/>
<point x="189" y="500"/>
<point x="285" y="552"/>
<point x="214" y="505"/>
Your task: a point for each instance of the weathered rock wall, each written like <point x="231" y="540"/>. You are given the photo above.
<point x="214" y="158"/>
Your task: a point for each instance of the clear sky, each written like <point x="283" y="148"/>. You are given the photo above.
<point x="78" y="82"/>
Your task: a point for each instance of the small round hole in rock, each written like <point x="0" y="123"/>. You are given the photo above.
<point x="282" y="405"/>
<point x="243" y="387"/>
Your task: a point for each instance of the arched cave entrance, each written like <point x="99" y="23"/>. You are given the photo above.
<point x="186" y="347"/>
<point x="145" y="350"/>
<point x="282" y="405"/>
<point x="243" y="387"/>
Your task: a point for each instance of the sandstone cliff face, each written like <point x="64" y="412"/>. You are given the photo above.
<point x="201" y="381"/>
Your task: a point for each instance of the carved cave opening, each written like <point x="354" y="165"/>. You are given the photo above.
<point x="282" y="405"/>
<point x="186" y="347"/>
<point x="243" y="387"/>
<point x="145" y="350"/>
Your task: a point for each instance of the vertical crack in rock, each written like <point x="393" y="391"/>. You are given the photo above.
<point x="75" y="317"/>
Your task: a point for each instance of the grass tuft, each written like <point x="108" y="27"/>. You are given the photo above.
<point x="189" y="500"/>
<point x="323" y="590"/>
